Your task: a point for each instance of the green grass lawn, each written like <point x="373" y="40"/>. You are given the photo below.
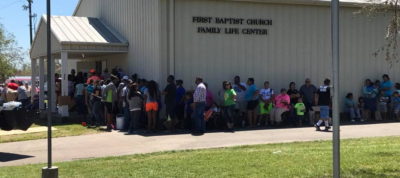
<point x="372" y="157"/>
<point x="63" y="130"/>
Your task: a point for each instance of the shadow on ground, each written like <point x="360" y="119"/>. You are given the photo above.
<point x="7" y="157"/>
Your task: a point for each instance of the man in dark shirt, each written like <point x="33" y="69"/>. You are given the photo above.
<point x="170" y="98"/>
<point x="324" y="101"/>
<point x="307" y="92"/>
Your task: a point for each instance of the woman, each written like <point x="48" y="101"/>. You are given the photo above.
<point x="229" y="104"/>
<point x="135" y="103"/>
<point x="293" y="93"/>
<point x="369" y="94"/>
<point x="151" y="96"/>
<point x="282" y="103"/>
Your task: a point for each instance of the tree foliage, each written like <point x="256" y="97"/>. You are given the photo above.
<point x="10" y="54"/>
<point x="390" y="9"/>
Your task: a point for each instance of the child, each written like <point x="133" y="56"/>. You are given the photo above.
<point x="382" y="104"/>
<point x="351" y="108"/>
<point x="396" y="105"/>
<point x="266" y="96"/>
<point x="365" y="113"/>
<point x="300" y="108"/>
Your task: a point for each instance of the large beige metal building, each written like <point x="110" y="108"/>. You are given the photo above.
<point x="275" y="40"/>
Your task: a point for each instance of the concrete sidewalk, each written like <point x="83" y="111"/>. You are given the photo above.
<point x="116" y="143"/>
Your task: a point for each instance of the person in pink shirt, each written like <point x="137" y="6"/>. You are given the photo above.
<point x="282" y="104"/>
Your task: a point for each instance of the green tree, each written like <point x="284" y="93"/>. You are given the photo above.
<point x="10" y="54"/>
<point x="390" y="9"/>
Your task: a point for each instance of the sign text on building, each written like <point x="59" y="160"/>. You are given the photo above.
<point x="232" y="21"/>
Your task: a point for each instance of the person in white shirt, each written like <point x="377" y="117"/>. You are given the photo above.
<point x="266" y="97"/>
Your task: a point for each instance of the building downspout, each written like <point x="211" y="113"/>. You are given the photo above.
<point x="171" y="37"/>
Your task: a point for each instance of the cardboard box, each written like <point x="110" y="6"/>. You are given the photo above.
<point x="11" y="96"/>
<point x="64" y="100"/>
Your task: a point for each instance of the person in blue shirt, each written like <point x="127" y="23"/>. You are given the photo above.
<point x="352" y="108"/>
<point x="396" y="105"/>
<point x="180" y="101"/>
<point x="387" y="85"/>
<point x="251" y="97"/>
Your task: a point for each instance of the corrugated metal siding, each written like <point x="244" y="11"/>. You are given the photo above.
<point x="139" y="22"/>
<point x="298" y="45"/>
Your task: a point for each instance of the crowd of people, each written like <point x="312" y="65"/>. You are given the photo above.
<point x="100" y="98"/>
<point x="380" y="100"/>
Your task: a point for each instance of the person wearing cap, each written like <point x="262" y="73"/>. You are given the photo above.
<point x="282" y="103"/>
<point x="93" y="76"/>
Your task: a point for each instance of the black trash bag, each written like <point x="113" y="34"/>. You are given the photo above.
<point x="19" y="119"/>
<point x="4" y="125"/>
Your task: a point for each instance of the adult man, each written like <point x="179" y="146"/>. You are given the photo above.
<point x="170" y="99"/>
<point x="199" y="104"/>
<point x="240" y="89"/>
<point x="323" y="99"/>
<point x="307" y="91"/>
<point x="22" y="97"/>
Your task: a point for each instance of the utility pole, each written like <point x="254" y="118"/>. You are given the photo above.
<point x="50" y="171"/>
<point x="31" y="16"/>
<point x="335" y="66"/>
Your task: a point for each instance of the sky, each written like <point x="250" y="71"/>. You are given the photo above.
<point x="16" y="21"/>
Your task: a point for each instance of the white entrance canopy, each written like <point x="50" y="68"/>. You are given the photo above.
<point x="72" y="37"/>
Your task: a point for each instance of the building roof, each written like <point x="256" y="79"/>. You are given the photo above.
<point x="305" y="2"/>
<point x="69" y="29"/>
<point x="71" y="33"/>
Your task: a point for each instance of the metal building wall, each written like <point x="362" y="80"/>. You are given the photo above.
<point x="139" y="22"/>
<point x="298" y="45"/>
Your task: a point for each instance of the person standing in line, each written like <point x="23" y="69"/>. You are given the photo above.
<point x="180" y="101"/>
<point x="80" y="99"/>
<point x="300" y="108"/>
<point x="294" y="96"/>
<point x="22" y="96"/>
<point x="199" y="104"/>
<point x="109" y="98"/>
<point x="88" y="102"/>
<point x="229" y="104"/>
<point x="252" y="102"/>
<point x="370" y="99"/>
<point x="135" y="102"/>
<point x="170" y="102"/>
<point x="96" y="103"/>
<point x="240" y="89"/>
<point x="307" y="91"/>
<point x="266" y="97"/>
<point x="152" y="107"/>
<point x="323" y="100"/>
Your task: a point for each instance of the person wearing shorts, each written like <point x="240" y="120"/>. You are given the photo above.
<point x="251" y="97"/>
<point x="151" y="96"/>
<point x="324" y="101"/>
